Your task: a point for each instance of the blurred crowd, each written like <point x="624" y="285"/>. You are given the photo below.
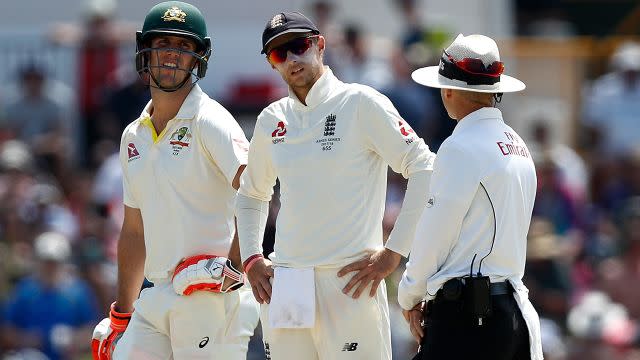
<point x="61" y="191"/>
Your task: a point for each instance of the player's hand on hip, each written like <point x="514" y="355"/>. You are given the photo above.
<point x="414" y="318"/>
<point x="259" y="276"/>
<point x="108" y="332"/>
<point x="373" y="268"/>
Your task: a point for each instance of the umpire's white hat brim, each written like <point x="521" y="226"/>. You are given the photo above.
<point x="429" y="76"/>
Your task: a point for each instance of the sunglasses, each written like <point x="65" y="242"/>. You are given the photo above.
<point x="477" y="67"/>
<point x="297" y="46"/>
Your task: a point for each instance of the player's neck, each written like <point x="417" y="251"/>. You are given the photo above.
<point x="302" y="91"/>
<point x="468" y="108"/>
<point x="165" y="105"/>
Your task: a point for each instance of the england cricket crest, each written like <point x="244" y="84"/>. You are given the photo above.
<point x="277" y="20"/>
<point x="180" y="139"/>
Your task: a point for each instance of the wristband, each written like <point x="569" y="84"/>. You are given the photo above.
<point x="250" y="261"/>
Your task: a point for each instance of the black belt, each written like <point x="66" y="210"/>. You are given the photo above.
<point x="500" y="288"/>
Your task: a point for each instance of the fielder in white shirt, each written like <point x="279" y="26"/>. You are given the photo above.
<point x="181" y="160"/>
<point x="329" y="144"/>
<point x="469" y="252"/>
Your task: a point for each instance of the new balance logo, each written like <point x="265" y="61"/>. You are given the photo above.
<point x="350" y="347"/>
<point x="330" y="125"/>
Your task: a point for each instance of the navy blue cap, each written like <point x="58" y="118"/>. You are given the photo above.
<point x="286" y="22"/>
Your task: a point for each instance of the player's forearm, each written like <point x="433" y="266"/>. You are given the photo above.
<point x="415" y="200"/>
<point x="131" y="257"/>
<point x="252" y="219"/>
<point x="234" y="251"/>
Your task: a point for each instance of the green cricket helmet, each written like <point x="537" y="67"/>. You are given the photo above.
<point x="174" y="18"/>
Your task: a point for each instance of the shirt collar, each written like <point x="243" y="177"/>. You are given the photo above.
<point x="319" y="91"/>
<point x="187" y="110"/>
<point x="480" y="114"/>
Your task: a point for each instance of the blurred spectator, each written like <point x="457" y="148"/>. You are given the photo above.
<point x="107" y="196"/>
<point x="98" y="60"/>
<point x="573" y="171"/>
<point x="34" y="114"/>
<point x="16" y="181"/>
<point x="322" y="13"/>
<point x="544" y="18"/>
<point x="615" y="179"/>
<point x="619" y="276"/>
<point x="547" y="273"/>
<point x="52" y="310"/>
<point x="25" y="354"/>
<point x="602" y="328"/>
<point x="422" y="44"/>
<point x="612" y="105"/>
<point x="122" y="106"/>
<point x="99" y="41"/>
<point x="45" y="209"/>
<point x="553" y="200"/>
<point x="418" y="105"/>
<point x="359" y="65"/>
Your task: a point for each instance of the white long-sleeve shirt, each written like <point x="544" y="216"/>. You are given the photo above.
<point x="458" y="221"/>
<point x="331" y="158"/>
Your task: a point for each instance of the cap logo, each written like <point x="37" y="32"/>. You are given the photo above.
<point x="174" y="14"/>
<point x="276" y="21"/>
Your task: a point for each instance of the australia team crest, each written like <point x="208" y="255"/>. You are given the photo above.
<point x="180" y="139"/>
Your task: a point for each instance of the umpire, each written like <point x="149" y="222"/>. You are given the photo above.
<point x="468" y="256"/>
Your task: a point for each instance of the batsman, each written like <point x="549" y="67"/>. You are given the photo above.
<point x="181" y="161"/>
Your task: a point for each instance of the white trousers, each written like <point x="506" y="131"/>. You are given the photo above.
<point x="203" y="325"/>
<point x="345" y="328"/>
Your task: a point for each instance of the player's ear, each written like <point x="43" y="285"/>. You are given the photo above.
<point x="321" y="44"/>
<point x="446" y="93"/>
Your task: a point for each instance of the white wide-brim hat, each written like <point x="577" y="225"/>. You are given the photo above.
<point x="448" y="75"/>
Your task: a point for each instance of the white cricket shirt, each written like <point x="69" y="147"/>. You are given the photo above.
<point x="181" y="180"/>
<point x="331" y="158"/>
<point x="458" y="220"/>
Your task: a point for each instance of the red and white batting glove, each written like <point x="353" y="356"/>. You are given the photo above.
<point x="206" y="273"/>
<point x="108" y="332"/>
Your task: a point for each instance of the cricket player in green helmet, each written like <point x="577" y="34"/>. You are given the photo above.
<point x="181" y="162"/>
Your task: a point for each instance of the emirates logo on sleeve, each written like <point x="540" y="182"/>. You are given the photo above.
<point x="133" y="152"/>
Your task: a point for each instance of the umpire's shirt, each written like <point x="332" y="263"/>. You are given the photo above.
<point x="458" y="220"/>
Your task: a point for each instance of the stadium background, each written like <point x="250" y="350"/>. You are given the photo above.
<point x="69" y="88"/>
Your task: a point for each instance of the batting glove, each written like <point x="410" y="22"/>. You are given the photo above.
<point x="108" y="332"/>
<point x="205" y="273"/>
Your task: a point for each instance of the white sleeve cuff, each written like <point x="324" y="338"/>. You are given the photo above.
<point x="415" y="199"/>
<point x="410" y="293"/>
<point x="251" y="217"/>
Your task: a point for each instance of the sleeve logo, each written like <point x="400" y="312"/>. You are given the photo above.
<point x="278" y="133"/>
<point x="405" y="129"/>
<point x="132" y="151"/>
